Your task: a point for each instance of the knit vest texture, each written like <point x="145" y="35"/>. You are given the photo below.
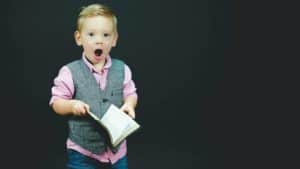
<point x="85" y="131"/>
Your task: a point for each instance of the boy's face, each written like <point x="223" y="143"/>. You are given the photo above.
<point x="97" y="36"/>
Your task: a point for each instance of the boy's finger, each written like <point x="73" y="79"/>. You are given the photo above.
<point x="86" y="107"/>
<point x="82" y="111"/>
<point x="132" y="114"/>
<point x="122" y="108"/>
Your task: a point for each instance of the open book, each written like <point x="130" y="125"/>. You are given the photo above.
<point x="118" y="124"/>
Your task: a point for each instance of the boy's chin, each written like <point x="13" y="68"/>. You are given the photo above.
<point x="98" y="58"/>
<point x="95" y="59"/>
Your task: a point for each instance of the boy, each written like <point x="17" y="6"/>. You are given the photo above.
<point x="92" y="84"/>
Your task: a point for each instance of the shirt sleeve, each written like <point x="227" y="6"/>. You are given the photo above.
<point x="129" y="85"/>
<point x="63" y="86"/>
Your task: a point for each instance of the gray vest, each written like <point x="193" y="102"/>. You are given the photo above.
<point x="84" y="131"/>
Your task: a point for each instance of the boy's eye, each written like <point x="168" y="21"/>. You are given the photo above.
<point x="91" y="34"/>
<point x="106" y="35"/>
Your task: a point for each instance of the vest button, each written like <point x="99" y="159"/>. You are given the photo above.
<point x="104" y="100"/>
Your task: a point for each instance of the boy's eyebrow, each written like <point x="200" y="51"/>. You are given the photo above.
<point x="100" y="30"/>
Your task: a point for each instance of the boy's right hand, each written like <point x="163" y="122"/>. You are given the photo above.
<point x="79" y="108"/>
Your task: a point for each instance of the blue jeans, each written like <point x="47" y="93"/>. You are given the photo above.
<point x="77" y="160"/>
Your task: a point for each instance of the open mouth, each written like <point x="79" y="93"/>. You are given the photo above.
<point x="98" y="52"/>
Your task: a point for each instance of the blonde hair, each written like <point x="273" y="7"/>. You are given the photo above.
<point x="96" y="10"/>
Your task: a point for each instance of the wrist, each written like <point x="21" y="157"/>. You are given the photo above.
<point x="129" y="104"/>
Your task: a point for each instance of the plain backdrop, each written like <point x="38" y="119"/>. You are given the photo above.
<point x="217" y="82"/>
<point x="180" y="55"/>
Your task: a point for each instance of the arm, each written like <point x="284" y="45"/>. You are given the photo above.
<point x="130" y="95"/>
<point x="62" y="94"/>
<point x="67" y="107"/>
<point x="129" y="105"/>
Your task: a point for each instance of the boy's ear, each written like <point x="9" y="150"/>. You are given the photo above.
<point x="77" y="38"/>
<point x="115" y="39"/>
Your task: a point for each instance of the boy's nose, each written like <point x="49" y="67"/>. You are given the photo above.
<point x="99" y="40"/>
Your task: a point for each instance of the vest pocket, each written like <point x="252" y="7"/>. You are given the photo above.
<point x="117" y="97"/>
<point x="116" y="92"/>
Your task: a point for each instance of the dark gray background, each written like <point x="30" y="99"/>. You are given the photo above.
<point x="203" y="81"/>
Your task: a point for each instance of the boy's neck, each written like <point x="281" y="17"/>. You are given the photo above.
<point x="99" y="66"/>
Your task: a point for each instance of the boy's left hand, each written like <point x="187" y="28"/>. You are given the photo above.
<point x="128" y="109"/>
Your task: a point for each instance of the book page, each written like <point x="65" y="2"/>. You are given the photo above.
<point x="118" y="124"/>
<point x="108" y="124"/>
<point x="127" y="131"/>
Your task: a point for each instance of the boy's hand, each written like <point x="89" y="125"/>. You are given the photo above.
<point x="129" y="110"/>
<point x="79" y="108"/>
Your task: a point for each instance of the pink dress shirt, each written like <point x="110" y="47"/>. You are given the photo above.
<point x="64" y="88"/>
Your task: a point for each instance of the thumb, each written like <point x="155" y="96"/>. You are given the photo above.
<point x="123" y="107"/>
<point x="87" y="107"/>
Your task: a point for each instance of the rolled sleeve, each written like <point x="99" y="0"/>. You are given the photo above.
<point x="63" y="87"/>
<point x="129" y="85"/>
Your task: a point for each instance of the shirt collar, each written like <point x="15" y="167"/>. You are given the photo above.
<point x="92" y="68"/>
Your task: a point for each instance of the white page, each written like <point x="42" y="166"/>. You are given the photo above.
<point x="118" y="124"/>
